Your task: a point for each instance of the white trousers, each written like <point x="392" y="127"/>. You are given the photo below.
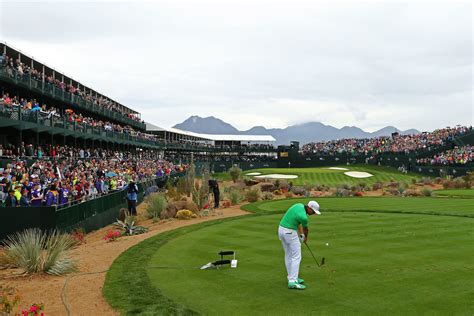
<point x="292" y="246"/>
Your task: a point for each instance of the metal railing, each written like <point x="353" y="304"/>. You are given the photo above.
<point x="45" y="119"/>
<point x="47" y="89"/>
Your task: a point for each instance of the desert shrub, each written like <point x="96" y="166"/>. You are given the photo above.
<point x="377" y="186"/>
<point x="413" y="180"/>
<point x="469" y="177"/>
<point x="235" y="173"/>
<point x="201" y="192"/>
<point x="344" y="186"/>
<point x="393" y="184"/>
<point x="185" y="214"/>
<point x="181" y="187"/>
<point x="308" y="187"/>
<point x="267" y="196"/>
<point x="410" y="192"/>
<point x="393" y="191"/>
<point x="156" y="204"/>
<point x="277" y="192"/>
<point x="268" y="187"/>
<point x="289" y="194"/>
<point x="402" y="187"/>
<point x="363" y="186"/>
<point x="297" y="190"/>
<point x="9" y="299"/>
<point x="427" y="181"/>
<point x="189" y="180"/>
<point x="123" y="212"/>
<point x="341" y="192"/>
<point x="129" y="228"/>
<point x="458" y="183"/>
<point x="283" y="185"/>
<point x="250" y="182"/>
<point x="174" y="206"/>
<point x="426" y="192"/>
<point x="79" y="235"/>
<point x="33" y="251"/>
<point x="112" y="235"/>
<point x="225" y="204"/>
<point x="171" y="191"/>
<point x="277" y="183"/>
<point x="235" y="197"/>
<point x="200" y="196"/>
<point x="467" y="184"/>
<point x="355" y="188"/>
<point x="438" y="180"/>
<point x="447" y="184"/>
<point x="320" y="187"/>
<point x="253" y="195"/>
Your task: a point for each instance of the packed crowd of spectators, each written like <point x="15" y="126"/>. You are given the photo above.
<point x="15" y="68"/>
<point x="49" y="151"/>
<point x="457" y="156"/>
<point x="70" y="181"/>
<point x="31" y="108"/>
<point x="394" y="144"/>
<point x="221" y="158"/>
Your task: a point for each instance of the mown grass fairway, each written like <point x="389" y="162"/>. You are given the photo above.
<point x="330" y="177"/>
<point x="414" y="205"/>
<point x="376" y="263"/>
<point x="456" y="193"/>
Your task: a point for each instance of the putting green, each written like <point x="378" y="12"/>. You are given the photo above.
<point x="332" y="177"/>
<point x="377" y="263"/>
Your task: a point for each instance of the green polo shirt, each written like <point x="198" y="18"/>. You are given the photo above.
<point x="295" y="215"/>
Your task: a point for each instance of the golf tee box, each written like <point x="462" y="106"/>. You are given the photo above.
<point x="233" y="263"/>
<point x="216" y="264"/>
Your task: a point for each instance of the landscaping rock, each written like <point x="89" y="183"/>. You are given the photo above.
<point x="267" y="187"/>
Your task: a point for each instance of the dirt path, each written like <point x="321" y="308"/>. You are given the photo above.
<point x="84" y="292"/>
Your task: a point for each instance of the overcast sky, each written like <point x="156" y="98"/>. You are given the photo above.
<point x="273" y="63"/>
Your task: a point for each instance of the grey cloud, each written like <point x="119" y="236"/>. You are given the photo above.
<point x="180" y="58"/>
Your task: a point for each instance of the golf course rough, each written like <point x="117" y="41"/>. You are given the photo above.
<point x="377" y="263"/>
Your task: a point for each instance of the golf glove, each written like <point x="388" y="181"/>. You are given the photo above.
<point x="302" y="238"/>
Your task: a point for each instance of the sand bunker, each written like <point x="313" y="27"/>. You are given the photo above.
<point x="337" y="168"/>
<point x="358" y="174"/>
<point x="253" y="174"/>
<point x="277" y="176"/>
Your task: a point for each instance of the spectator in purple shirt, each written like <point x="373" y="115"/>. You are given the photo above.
<point x="64" y="195"/>
<point x="36" y="196"/>
<point x="52" y="196"/>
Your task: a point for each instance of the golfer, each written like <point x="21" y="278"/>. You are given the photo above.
<point x="288" y="234"/>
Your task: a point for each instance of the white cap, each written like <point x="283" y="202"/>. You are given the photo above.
<point x="314" y="206"/>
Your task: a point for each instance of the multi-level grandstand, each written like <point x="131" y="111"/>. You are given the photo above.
<point x="69" y="150"/>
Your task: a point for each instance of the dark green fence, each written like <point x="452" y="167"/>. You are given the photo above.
<point x="437" y="171"/>
<point x="13" y="219"/>
<point x="89" y="215"/>
<point x="226" y="165"/>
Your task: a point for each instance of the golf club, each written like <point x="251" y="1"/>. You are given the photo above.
<point x="322" y="260"/>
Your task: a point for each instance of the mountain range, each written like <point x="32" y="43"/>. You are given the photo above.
<point x="304" y="133"/>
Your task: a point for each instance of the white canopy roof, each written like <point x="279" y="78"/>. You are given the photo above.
<point x="153" y="128"/>
<point x="214" y="137"/>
